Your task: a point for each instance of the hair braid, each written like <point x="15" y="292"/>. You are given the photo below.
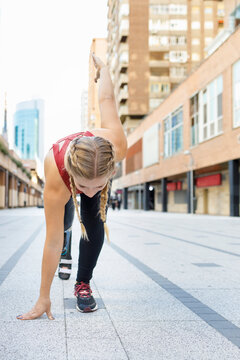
<point x="73" y="189"/>
<point x="103" y="208"/>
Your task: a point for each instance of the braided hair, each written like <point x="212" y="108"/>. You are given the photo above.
<point x="90" y="158"/>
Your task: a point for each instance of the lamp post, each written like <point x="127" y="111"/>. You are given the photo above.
<point x="191" y="163"/>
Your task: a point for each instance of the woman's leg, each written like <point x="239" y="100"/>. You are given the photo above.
<point x="89" y="250"/>
<point x="65" y="264"/>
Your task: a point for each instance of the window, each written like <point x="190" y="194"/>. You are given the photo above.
<point x="210" y="110"/>
<point x="236" y="94"/>
<point x="194" y="103"/>
<point x="178" y="56"/>
<point x="154" y="88"/>
<point x="195" y="41"/>
<point x="176" y="24"/>
<point x="123" y="58"/>
<point x="195" y="10"/>
<point x="208" y="10"/>
<point x="195" y="56"/>
<point x="208" y="25"/>
<point x="158" y="9"/>
<point x="176" y="9"/>
<point x="173" y="133"/>
<point x="156" y="25"/>
<point x="16" y="136"/>
<point x="195" y="25"/>
<point x="22" y="140"/>
<point x="178" y="40"/>
<point x="208" y="40"/>
<point x="178" y="71"/>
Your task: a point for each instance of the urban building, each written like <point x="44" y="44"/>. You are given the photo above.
<point x="20" y="185"/>
<point x="185" y="155"/>
<point x="29" y="129"/>
<point x="152" y="46"/>
<point x="84" y="111"/>
<point x="99" y="47"/>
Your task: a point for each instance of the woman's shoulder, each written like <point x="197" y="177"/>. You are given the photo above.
<point x="52" y="176"/>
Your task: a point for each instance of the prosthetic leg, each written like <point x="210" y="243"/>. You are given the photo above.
<point x="65" y="264"/>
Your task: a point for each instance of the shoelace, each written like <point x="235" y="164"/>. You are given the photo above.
<point x="83" y="290"/>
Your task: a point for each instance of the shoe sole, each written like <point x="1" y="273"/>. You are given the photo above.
<point x="87" y="309"/>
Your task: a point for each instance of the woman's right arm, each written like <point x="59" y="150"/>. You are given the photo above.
<point x="55" y="197"/>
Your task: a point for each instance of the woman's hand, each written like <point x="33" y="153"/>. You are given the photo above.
<point x="99" y="64"/>
<point x="43" y="305"/>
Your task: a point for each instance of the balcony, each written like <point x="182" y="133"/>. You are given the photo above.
<point x="124" y="28"/>
<point x="123" y="47"/>
<point x="160" y="79"/>
<point x="123" y="111"/>
<point x="158" y="63"/>
<point x="123" y="79"/>
<point x="123" y="94"/>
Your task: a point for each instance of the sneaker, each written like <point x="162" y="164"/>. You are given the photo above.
<point x="85" y="300"/>
<point x="65" y="263"/>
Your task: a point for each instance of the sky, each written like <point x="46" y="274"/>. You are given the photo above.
<point x="44" y="53"/>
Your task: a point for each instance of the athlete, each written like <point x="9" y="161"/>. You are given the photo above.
<point x="81" y="163"/>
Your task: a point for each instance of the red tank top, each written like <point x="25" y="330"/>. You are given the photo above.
<point x="59" y="156"/>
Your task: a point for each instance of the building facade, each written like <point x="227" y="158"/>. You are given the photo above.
<point x="185" y="156"/>
<point x="99" y="47"/>
<point x="29" y="129"/>
<point x="20" y="186"/>
<point x="152" y="46"/>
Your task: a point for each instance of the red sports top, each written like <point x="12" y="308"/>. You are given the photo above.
<point x="59" y="156"/>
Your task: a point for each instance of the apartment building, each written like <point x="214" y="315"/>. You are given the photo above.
<point x="152" y="46"/>
<point x="185" y="156"/>
<point x="99" y="47"/>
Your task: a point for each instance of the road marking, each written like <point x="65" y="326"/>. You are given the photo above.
<point x="12" y="261"/>
<point x="225" y="327"/>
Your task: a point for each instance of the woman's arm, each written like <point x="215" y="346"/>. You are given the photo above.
<point x="55" y="198"/>
<point x="111" y="126"/>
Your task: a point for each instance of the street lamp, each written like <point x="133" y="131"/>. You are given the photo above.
<point x="187" y="152"/>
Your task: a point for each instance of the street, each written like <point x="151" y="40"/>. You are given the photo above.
<point x="167" y="287"/>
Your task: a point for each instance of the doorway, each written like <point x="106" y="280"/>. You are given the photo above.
<point x="205" y="201"/>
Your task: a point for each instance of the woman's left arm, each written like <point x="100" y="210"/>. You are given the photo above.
<point x="111" y="126"/>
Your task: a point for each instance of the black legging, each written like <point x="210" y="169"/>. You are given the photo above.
<point x="88" y="250"/>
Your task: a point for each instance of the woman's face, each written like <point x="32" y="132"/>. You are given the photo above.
<point x="90" y="187"/>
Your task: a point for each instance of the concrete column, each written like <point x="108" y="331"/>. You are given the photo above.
<point x="6" y="189"/>
<point x="190" y="192"/>
<point x="125" y="198"/>
<point x="164" y="194"/>
<point x="21" y="195"/>
<point x="146" y="197"/>
<point x="2" y="189"/>
<point x="233" y="168"/>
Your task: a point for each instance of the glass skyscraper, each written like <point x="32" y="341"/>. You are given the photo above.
<point x="28" y="129"/>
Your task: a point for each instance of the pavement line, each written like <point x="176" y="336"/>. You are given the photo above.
<point x="12" y="261"/>
<point x="179" y="239"/>
<point x="226" y="328"/>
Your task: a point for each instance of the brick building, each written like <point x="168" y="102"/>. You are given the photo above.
<point x="152" y="46"/>
<point x="184" y="156"/>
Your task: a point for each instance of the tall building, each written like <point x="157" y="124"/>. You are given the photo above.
<point x="29" y="129"/>
<point x="99" y="47"/>
<point x="153" y="45"/>
<point x="84" y="111"/>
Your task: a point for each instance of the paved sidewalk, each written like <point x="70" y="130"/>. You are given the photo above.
<point x="168" y="287"/>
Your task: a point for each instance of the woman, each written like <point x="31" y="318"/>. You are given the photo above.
<point x="81" y="163"/>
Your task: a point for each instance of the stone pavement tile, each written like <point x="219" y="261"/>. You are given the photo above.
<point x="224" y="301"/>
<point x="93" y="349"/>
<point x="171" y="340"/>
<point x="92" y="336"/>
<point x="28" y="340"/>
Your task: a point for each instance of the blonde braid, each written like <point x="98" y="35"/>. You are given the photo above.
<point x="103" y="206"/>
<point x="73" y="190"/>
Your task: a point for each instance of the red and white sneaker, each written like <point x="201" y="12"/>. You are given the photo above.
<point x="85" y="300"/>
